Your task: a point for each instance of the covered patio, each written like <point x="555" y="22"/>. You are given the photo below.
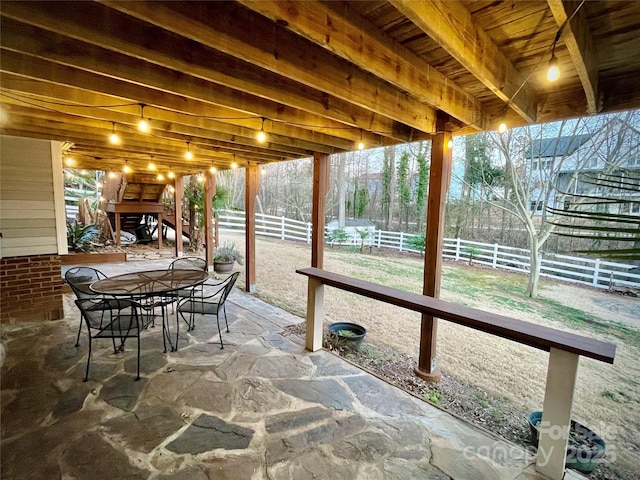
<point x="202" y="87"/>
<point x="263" y="407"/>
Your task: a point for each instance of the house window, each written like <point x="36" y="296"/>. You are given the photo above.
<point x="635" y="208"/>
<point x="536" y="206"/>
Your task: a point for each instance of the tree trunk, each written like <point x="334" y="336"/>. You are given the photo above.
<point x="534" y="274"/>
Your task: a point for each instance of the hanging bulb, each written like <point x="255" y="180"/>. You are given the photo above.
<point x="261" y="136"/>
<point x="171" y="174"/>
<point x="160" y="177"/>
<point x="201" y="178"/>
<point x="360" y="143"/>
<point x="114" y="139"/>
<point x="553" y="73"/>
<point x="263" y="170"/>
<point x="143" y="126"/>
<point x="212" y="169"/>
<point x="111" y="175"/>
<point x="151" y="166"/>
<point x="188" y="155"/>
<point x="171" y="189"/>
<point x="502" y="127"/>
<point x="450" y="144"/>
<point x="126" y="168"/>
<point x="68" y="161"/>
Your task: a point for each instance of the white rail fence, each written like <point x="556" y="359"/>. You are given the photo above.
<point x="594" y="272"/>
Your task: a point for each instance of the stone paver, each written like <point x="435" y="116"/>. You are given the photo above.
<point x="261" y="408"/>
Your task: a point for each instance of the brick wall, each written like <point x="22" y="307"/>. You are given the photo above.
<point x="31" y="288"/>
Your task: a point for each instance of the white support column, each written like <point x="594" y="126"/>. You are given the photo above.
<point x="556" y="413"/>
<point x="315" y="315"/>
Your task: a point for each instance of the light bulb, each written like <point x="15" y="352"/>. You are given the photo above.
<point x="261" y="137"/>
<point x="151" y="166"/>
<point x="212" y="169"/>
<point x="160" y="177"/>
<point x="143" y="126"/>
<point x="234" y="165"/>
<point x="360" y="145"/>
<point x="126" y="168"/>
<point x="171" y="189"/>
<point x="263" y="170"/>
<point x="502" y="127"/>
<point x="553" y="73"/>
<point x="188" y="155"/>
<point x="450" y="144"/>
<point x="171" y="174"/>
<point x="114" y="139"/>
<point x="111" y="175"/>
<point x="68" y="161"/>
<point x="201" y="178"/>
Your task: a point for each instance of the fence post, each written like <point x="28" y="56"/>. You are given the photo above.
<point x="282" y="223"/>
<point x="495" y="255"/>
<point x="596" y="272"/>
<point x="457" y="248"/>
<point x="379" y="238"/>
<point x="401" y="240"/>
<point x="308" y="233"/>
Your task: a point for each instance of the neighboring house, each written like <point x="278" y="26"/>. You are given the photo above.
<point x="573" y="163"/>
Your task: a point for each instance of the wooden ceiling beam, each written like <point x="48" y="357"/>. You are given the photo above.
<point x="38" y="43"/>
<point x="126" y="125"/>
<point x="28" y="91"/>
<point x="273" y="48"/>
<point x="372" y="51"/>
<point x="62" y="75"/>
<point x="578" y="41"/>
<point x="456" y="32"/>
<point x="126" y="35"/>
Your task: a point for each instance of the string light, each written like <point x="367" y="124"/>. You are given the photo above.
<point x="212" y="169"/>
<point x="143" y="126"/>
<point x="69" y="162"/>
<point x="114" y="139"/>
<point x="188" y="155"/>
<point x="502" y="128"/>
<point x="553" y="73"/>
<point x="201" y="178"/>
<point x="261" y="136"/>
<point x="450" y="144"/>
<point x="126" y="168"/>
<point x="151" y="166"/>
<point x="263" y="170"/>
<point x="160" y="177"/>
<point x="111" y="175"/>
<point x="171" y="174"/>
<point x="360" y="143"/>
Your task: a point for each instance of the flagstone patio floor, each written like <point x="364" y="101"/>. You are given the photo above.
<point x="261" y="408"/>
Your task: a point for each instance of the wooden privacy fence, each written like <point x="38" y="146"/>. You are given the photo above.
<point x="564" y="349"/>
<point x="587" y="271"/>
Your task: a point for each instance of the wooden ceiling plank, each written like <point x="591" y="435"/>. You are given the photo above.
<point x="124" y="34"/>
<point x="273" y="48"/>
<point x="577" y="38"/>
<point x="371" y="51"/>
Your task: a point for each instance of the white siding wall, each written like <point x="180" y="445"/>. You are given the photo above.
<point x="28" y="197"/>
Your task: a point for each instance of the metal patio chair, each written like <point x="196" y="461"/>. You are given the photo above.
<point x="208" y="304"/>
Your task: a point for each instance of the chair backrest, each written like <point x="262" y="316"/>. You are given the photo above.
<point x="189" y="263"/>
<point x="230" y="282"/>
<point x="79" y="278"/>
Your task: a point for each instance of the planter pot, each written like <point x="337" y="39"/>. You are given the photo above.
<point x="223" y="267"/>
<point x="349" y="334"/>
<point x="583" y="454"/>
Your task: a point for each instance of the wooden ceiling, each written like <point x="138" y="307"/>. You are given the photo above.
<point x="320" y="76"/>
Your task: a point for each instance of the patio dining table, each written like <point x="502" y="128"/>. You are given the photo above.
<point x="152" y="284"/>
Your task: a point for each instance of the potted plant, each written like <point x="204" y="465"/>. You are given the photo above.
<point x="225" y="256"/>
<point x="585" y="447"/>
<point x="348" y="334"/>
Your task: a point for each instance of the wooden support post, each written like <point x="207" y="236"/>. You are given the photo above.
<point x="117" y="214"/>
<point x="252" y="188"/>
<point x="315" y="295"/>
<point x="439" y="179"/>
<point x="209" y="192"/>
<point x="321" y="172"/>
<point x="178" y="194"/>
<point x="556" y="413"/>
<point x="315" y="315"/>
